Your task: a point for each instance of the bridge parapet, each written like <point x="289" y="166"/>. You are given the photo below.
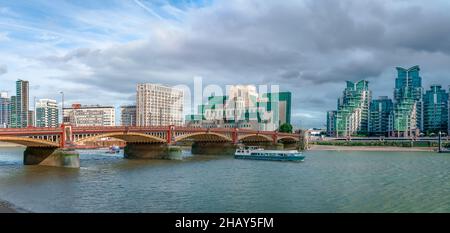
<point x="66" y="134"/>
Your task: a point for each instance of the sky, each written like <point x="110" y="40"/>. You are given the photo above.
<point x="97" y="51"/>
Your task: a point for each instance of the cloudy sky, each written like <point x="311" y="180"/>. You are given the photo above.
<point x="96" y="51"/>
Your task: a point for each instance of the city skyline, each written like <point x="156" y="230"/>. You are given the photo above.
<point x="170" y="42"/>
<point x="413" y="111"/>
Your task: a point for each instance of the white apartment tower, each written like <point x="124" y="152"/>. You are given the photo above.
<point x="47" y="113"/>
<point x="158" y="105"/>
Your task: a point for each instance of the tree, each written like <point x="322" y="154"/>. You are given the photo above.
<point x="285" y="128"/>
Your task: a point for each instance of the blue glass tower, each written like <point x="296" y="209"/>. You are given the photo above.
<point x="381" y="116"/>
<point x="408" y="108"/>
<point x="435" y="114"/>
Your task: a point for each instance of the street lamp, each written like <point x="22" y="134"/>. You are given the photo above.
<point x="440" y="142"/>
<point x="62" y="106"/>
<point x="34" y="113"/>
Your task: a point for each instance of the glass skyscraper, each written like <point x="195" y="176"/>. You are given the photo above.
<point x="4" y="110"/>
<point x="19" y="117"/>
<point x="331" y="123"/>
<point x="381" y="116"/>
<point x="352" y="115"/>
<point x="408" y="107"/>
<point x="435" y="111"/>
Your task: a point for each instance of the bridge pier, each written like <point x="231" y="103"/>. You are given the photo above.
<point x="51" y="157"/>
<point x="291" y="145"/>
<point x="213" y="148"/>
<point x="151" y="151"/>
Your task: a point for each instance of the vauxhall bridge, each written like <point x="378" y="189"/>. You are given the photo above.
<point x="56" y="146"/>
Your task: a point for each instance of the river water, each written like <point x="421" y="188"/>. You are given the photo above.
<point x="328" y="181"/>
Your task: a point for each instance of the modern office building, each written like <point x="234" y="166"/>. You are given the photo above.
<point x="352" y="116"/>
<point x="4" y="110"/>
<point x="435" y="110"/>
<point x="47" y="113"/>
<point x="408" y="106"/>
<point x="19" y="116"/>
<point x="158" y="105"/>
<point x="381" y="116"/>
<point x="89" y="115"/>
<point x="31" y="118"/>
<point x="243" y="108"/>
<point x="128" y="115"/>
<point x="448" y="112"/>
<point x="278" y="103"/>
<point x="331" y="123"/>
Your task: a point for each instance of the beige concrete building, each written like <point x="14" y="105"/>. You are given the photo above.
<point x="90" y="115"/>
<point x="158" y="105"/>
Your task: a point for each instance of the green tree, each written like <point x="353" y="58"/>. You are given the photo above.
<point x="285" y="128"/>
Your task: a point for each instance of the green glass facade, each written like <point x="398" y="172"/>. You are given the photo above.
<point x="381" y="116"/>
<point x="435" y="111"/>
<point x="5" y="109"/>
<point x="352" y="115"/>
<point x="280" y="104"/>
<point x="408" y="108"/>
<point x="20" y="106"/>
<point x="411" y="113"/>
<point x="223" y="111"/>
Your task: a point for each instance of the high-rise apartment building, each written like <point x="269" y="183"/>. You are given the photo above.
<point x="331" y="123"/>
<point x="352" y="116"/>
<point x="158" y="105"/>
<point x="381" y="116"/>
<point x="435" y="110"/>
<point x="408" y="106"/>
<point x="128" y="115"/>
<point x="4" y="110"/>
<point x="47" y="113"/>
<point x="19" y="117"/>
<point x="448" y="112"/>
<point x="31" y="118"/>
<point x="89" y="115"/>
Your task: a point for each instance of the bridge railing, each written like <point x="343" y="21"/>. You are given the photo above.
<point x="75" y="129"/>
<point x="30" y="130"/>
<point x="118" y="128"/>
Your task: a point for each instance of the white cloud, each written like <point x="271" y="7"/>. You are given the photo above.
<point x="4" y="37"/>
<point x="3" y="69"/>
<point x="307" y="47"/>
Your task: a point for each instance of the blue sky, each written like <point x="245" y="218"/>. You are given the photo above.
<point x="31" y="31"/>
<point x="96" y="51"/>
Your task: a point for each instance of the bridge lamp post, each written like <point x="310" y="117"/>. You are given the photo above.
<point x="34" y="113"/>
<point x="62" y="106"/>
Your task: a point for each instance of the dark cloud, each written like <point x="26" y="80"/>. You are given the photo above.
<point x="308" y="47"/>
<point x="3" y="69"/>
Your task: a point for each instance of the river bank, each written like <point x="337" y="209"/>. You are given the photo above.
<point x="6" y="207"/>
<point x="370" y="148"/>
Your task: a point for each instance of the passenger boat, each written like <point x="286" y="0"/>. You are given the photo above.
<point x="256" y="153"/>
<point x="113" y="150"/>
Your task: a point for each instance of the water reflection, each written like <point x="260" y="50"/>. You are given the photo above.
<point x="326" y="182"/>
